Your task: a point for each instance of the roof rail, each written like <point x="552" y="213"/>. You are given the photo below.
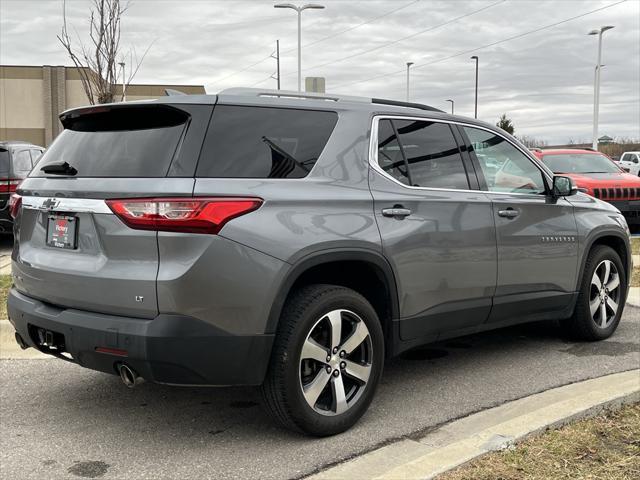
<point x="396" y="103"/>
<point x="258" y="92"/>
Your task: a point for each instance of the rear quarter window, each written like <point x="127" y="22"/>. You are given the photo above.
<point x="4" y="162"/>
<point x="264" y="142"/>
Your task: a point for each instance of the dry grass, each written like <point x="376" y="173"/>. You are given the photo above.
<point x="605" y="447"/>
<point x="635" y="276"/>
<point x="5" y="285"/>
<point x="635" y="245"/>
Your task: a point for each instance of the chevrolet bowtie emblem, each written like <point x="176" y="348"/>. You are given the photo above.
<point x="50" y="204"/>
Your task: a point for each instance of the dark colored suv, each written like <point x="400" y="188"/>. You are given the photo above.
<point x="16" y="161"/>
<point x="295" y="241"/>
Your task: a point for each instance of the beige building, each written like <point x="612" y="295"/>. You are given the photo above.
<point x="31" y="97"/>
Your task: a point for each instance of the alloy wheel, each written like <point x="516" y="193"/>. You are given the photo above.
<point x="604" y="297"/>
<point x="335" y="362"/>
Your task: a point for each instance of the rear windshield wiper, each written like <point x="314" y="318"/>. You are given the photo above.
<point x="59" y="169"/>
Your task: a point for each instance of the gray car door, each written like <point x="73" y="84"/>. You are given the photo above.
<point x="536" y="234"/>
<point x="437" y="229"/>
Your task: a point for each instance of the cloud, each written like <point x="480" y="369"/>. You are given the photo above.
<point x="543" y="81"/>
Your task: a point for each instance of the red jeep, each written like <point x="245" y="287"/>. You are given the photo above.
<point x="596" y="174"/>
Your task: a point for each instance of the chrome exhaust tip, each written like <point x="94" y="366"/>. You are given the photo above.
<point x="129" y="376"/>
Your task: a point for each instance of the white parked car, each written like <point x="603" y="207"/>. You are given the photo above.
<point x="631" y="161"/>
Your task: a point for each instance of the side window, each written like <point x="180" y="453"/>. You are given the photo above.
<point x="21" y="163"/>
<point x="390" y="156"/>
<point x="264" y="142"/>
<point x="626" y="157"/>
<point x="505" y="168"/>
<point x="432" y="155"/>
<point x="635" y="159"/>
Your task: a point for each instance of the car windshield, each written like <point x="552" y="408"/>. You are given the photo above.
<point x="580" y="163"/>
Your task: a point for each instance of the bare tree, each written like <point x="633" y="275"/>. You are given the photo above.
<point x="97" y="63"/>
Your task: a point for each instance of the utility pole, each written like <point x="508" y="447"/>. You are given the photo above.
<point x="277" y="57"/>
<point x="596" y="83"/>
<point x="408" y="66"/>
<point x="124" y="93"/>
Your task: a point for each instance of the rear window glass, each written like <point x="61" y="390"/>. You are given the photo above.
<point x="121" y="142"/>
<point x="4" y="163"/>
<point x="21" y="163"/>
<point x="263" y="142"/>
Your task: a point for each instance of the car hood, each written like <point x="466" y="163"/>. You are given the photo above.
<point x="605" y="180"/>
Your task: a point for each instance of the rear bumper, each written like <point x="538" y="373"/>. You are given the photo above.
<point x="169" y="349"/>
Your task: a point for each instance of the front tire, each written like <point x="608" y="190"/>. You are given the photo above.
<point x="327" y="360"/>
<point x="601" y="297"/>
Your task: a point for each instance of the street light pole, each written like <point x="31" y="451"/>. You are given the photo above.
<point x="475" y="57"/>
<point x="452" y="103"/>
<point x="596" y="86"/>
<point x="408" y="66"/>
<point x="299" y="10"/>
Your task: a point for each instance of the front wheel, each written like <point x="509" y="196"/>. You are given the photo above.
<point x="601" y="297"/>
<point x="327" y="360"/>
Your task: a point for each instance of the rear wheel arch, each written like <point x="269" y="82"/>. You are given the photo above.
<point x="366" y="272"/>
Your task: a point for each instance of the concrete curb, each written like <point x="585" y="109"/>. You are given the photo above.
<point x="10" y="350"/>
<point x="463" y="440"/>
<point x="633" y="298"/>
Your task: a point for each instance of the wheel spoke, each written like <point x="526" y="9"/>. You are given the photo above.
<point x="594" y="305"/>
<point x="607" y="271"/>
<point x="335" y="318"/>
<point x="612" y="305"/>
<point x="358" y="371"/>
<point x="313" y="389"/>
<point x="359" y="335"/>
<point x="595" y="280"/>
<point x="603" y="315"/>
<point x="312" y="349"/>
<point x="340" y="398"/>
<point x="613" y="284"/>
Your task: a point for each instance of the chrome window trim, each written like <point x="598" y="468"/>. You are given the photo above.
<point x="373" y="154"/>
<point x="63" y="204"/>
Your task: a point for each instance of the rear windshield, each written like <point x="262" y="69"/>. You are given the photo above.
<point x="118" y="142"/>
<point x="264" y="142"/>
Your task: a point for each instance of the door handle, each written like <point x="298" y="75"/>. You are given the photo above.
<point x="508" y="213"/>
<point x="396" y="211"/>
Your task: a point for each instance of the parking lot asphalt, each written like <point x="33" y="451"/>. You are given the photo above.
<point x="58" y="420"/>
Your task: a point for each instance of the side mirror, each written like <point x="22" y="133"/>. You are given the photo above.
<point x="563" y="187"/>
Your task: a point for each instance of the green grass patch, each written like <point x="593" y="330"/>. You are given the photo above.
<point x="5" y="285"/>
<point x="605" y="447"/>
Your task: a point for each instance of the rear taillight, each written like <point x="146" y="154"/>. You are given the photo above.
<point x="9" y="184"/>
<point x="15" y="202"/>
<point x="193" y="215"/>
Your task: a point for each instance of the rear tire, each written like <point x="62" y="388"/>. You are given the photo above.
<point x="601" y="298"/>
<point x="327" y="360"/>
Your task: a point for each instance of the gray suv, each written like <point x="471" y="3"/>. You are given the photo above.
<point x="296" y="241"/>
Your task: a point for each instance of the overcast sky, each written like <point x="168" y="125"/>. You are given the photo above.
<point x="542" y="80"/>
